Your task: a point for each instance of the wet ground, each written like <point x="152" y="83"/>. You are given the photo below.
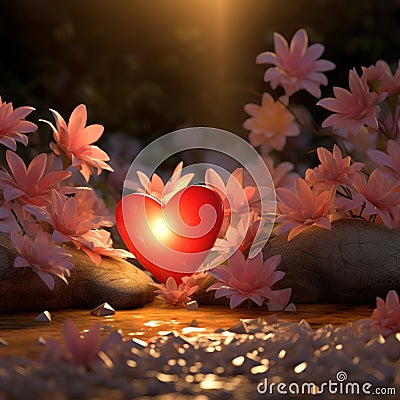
<point x="21" y="331"/>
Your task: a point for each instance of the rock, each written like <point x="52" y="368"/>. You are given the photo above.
<point x="138" y="343"/>
<point x="107" y="327"/>
<point x="40" y="341"/>
<point x="240" y="327"/>
<point x="45" y="316"/>
<point x="103" y="310"/>
<point x="192" y="306"/>
<point x="353" y="263"/>
<point x="115" y="281"/>
<point x="208" y="298"/>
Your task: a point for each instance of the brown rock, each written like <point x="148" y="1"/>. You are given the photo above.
<point x="117" y="282"/>
<point x="204" y="297"/>
<point x="353" y="263"/>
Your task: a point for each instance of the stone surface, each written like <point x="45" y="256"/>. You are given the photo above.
<point x="240" y="327"/>
<point x="40" y="341"/>
<point x="219" y="366"/>
<point x="192" y="305"/>
<point x="115" y="281"/>
<point x="102" y="310"/>
<point x="353" y="263"/>
<point x="45" y="316"/>
<point x="208" y="298"/>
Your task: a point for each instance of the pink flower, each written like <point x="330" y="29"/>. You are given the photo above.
<point x="75" y="141"/>
<point x="236" y="197"/>
<point x="270" y="123"/>
<point x="97" y="243"/>
<point x="83" y="350"/>
<point x="13" y="125"/>
<point x="381" y="196"/>
<point x="239" y="202"/>
<point x="303" y="208"/>
<point x="296" y="67"/>
<point x="93" y="207"/>
<point x="8" y="223"/>
<point x="156" y="188"/>
<point x="382" y="78"/>
<point x="68" y="222"/>
<point x="386" y="316"/>
<point x="172" y="294"/>
<point x="250" y="279"/>
<point x="281" y="174"/>
<point x="239" y="236"/>
<point x="373" y="74"/>
<point x="32" y="185"/>
<point x="388" y="162"/>
<point x="75" y="221"/>
<point x="353" y="108"/>
<point x="333" y="170"/>
<point x="251" y="232"/>
<point x="23" y="220"/>
<point x="195" y="279"/>
<point x="351" y="201"/>
<point x="359" y="144"/>
<point x="44" y="257"/>
<point x="390" y="83"/>
<point x="389" y="123"/>
<point x="385" y="319"/>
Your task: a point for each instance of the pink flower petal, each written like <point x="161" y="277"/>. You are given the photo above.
<point x="236" y="299"/>
<point x="8" y="142"/>
<point x="17" y="166"/>
<point x="78" y="118"/>
<point x="11" y="193"/>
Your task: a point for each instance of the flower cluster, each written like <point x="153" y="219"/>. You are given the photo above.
<point x="84" y="351"/>
<point x="242" y="279"/>
<point x="356" y="177"/>
<point x="241" y="201"/>
<point x="155" y="186"/>
<point x="242" y="219"/>
<point x="172" y="294"/>
<point x="251" y="279"/>
<point x="364" y="121"/>
<point x="385" y="319"/>
<point x="40" y="206"/>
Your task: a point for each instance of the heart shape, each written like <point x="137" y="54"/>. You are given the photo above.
<point x="172" y="239"/>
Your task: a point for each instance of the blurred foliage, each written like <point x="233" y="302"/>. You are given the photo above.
<point x="146" y="67"/>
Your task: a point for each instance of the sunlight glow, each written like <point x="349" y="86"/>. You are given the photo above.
<point x="160" y="228"/>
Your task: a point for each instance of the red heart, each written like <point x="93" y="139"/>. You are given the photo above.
<point x="172" y="239"/>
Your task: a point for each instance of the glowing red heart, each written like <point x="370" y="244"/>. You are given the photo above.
<point x="172" y="239"/>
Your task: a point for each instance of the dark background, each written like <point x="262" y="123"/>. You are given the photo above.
<point x="147" y="67"/>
